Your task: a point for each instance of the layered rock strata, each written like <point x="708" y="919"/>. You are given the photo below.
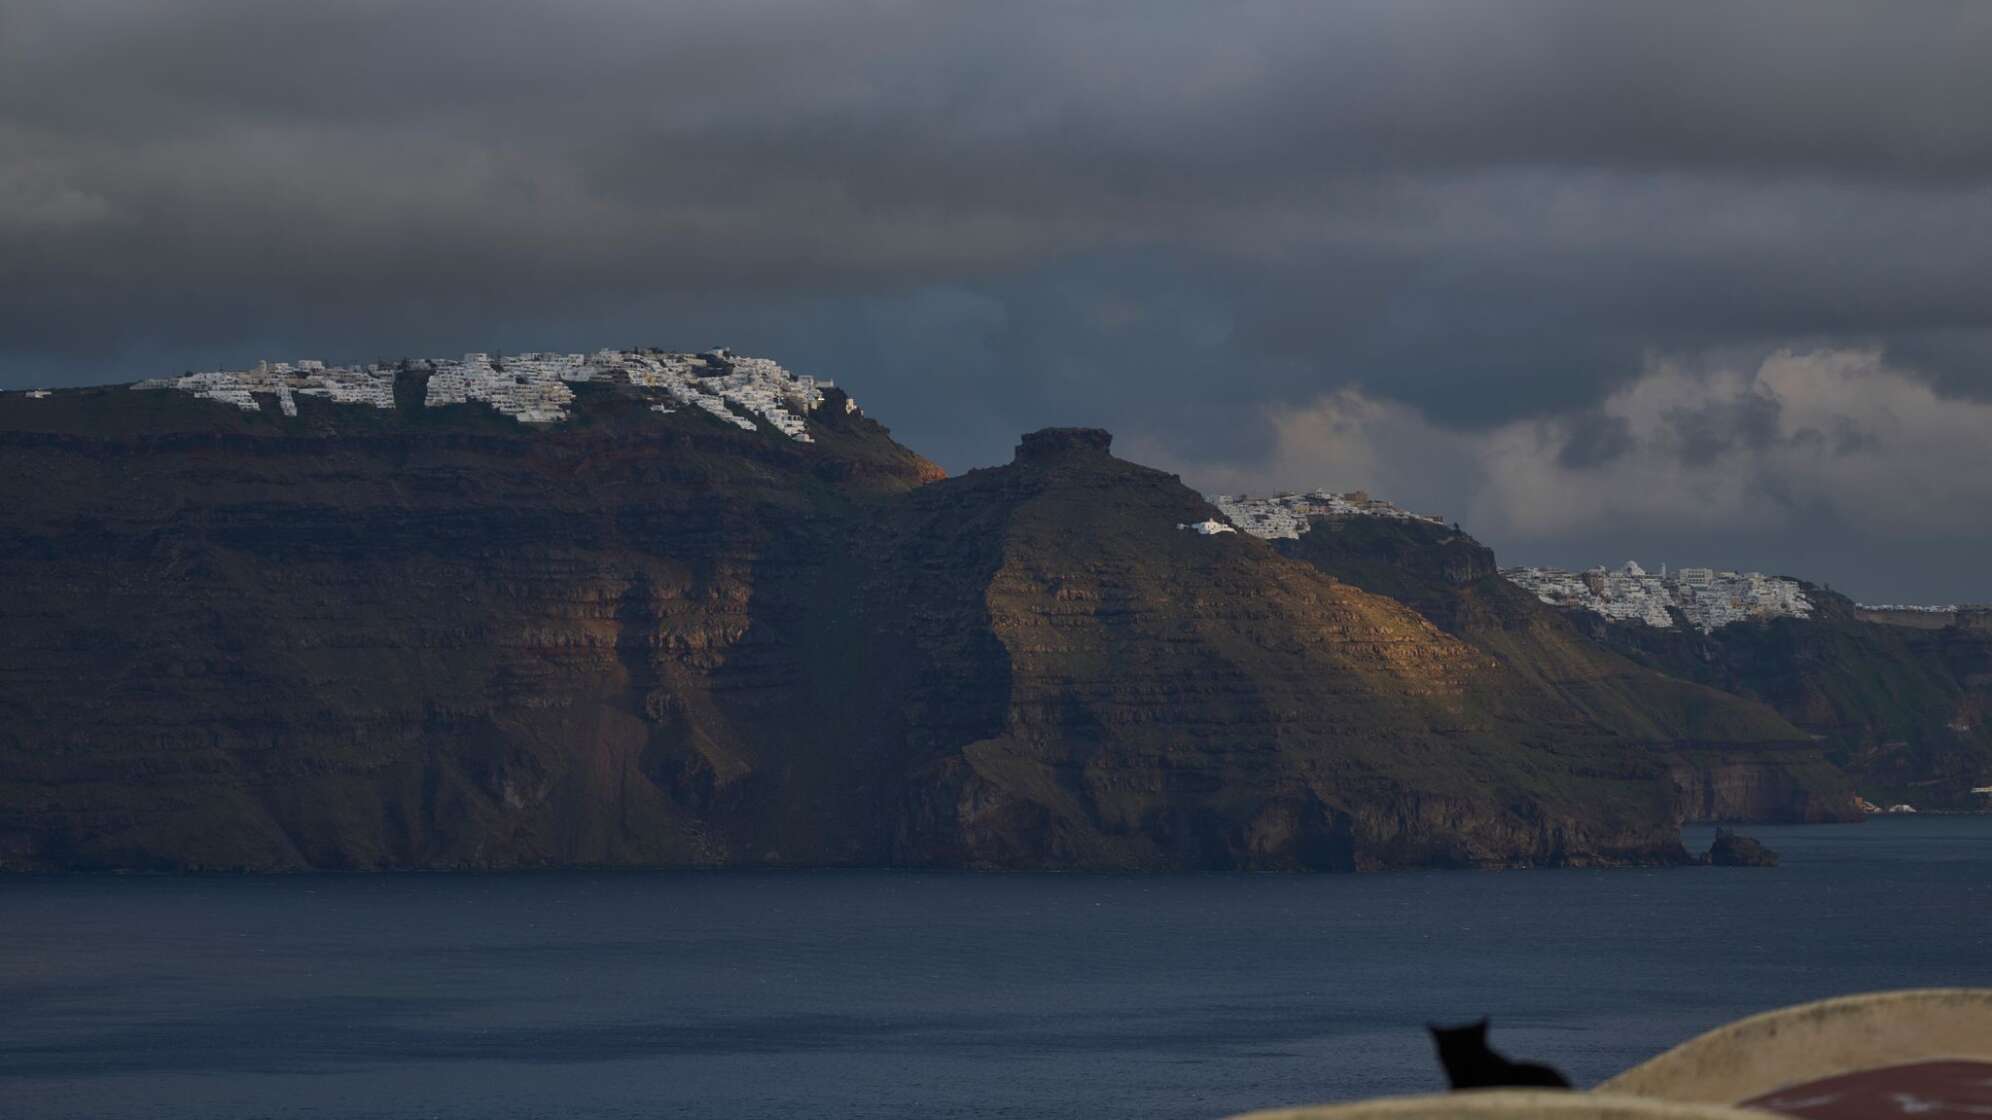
<point x="431" y="636"/>
<point x="1729" y="757"/>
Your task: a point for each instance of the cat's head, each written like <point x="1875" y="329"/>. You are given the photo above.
<point x="1468" y="1036"/>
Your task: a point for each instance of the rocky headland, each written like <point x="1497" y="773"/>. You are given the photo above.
<point x="424" y="629"/>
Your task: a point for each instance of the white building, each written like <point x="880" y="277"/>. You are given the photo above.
<point x="1706" y="599"/>
<point x="1289" y="515"/>
<point x="537" y="388"/>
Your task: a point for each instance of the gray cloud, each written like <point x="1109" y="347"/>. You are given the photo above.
<point x="1706" y="430"/>
<point x="1174" y="219"/>
<point x="1595" y="438"/>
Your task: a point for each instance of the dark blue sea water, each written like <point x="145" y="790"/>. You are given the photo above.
<point x="838" y="995"/>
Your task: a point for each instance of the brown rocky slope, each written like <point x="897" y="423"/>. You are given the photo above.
<point x="1905" y="712"/>
<point x="1730" y="756"/>
<point x="436" y="638"/>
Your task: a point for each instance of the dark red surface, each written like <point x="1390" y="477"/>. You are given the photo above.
<point x="1953" y="1090"/>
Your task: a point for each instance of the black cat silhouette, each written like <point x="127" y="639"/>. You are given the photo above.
<point x="1472" y="1064"/>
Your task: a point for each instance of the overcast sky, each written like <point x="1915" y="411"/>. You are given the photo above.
<point x="1695" y="283"/>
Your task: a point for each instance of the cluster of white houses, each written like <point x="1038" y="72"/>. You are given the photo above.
<point x="1705" y="597"/>
<point x="286" y="381"/>
<point x="535" y="388"/>
<point x="1286" y="515"/>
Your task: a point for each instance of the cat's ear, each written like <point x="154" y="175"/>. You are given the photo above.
<point x="1480" y="1027"/>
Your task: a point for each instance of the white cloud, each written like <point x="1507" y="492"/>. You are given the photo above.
<point x="1834" y="436"/>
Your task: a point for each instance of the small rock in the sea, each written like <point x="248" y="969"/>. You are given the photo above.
<point x="1735" y="850"/>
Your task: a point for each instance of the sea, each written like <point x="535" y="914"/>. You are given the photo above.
<point x="854" y="994"/>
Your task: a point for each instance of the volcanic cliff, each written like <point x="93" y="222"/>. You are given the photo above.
<point x="411" y="636"/>
<point x="1904" y="711"/>
<point x="1731" y="757"/>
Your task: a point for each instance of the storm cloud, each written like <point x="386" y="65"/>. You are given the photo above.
<point x="1204" y="226"/>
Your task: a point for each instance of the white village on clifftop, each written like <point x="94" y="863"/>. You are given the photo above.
<point x="1705" y="597"/>
<point x="534" y="388"/>
<point x="1286" y="515"/>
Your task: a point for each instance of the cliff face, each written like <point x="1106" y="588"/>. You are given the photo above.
<point x="1168" y="699"/>
<point x="420" y="637"/>
<point x="1737" y="786"/>
<point x="1730" y="757"/>
<point x="435" y="638"/>
<point x="1905" y="711"/>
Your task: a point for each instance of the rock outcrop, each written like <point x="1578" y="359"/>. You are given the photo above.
<point x="1733" y="850"/>
<point x="1052" y="445"/>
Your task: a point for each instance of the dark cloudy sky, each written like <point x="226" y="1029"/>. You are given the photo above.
<point x="1701" y="283"/>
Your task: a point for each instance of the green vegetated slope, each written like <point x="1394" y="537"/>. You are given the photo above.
<point x="1732" y="757"/>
